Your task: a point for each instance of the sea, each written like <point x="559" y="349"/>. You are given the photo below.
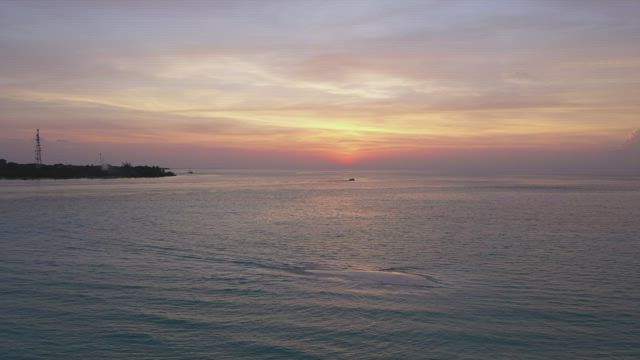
<point x="307" y="265"/>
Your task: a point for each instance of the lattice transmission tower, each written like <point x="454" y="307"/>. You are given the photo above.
<point x="38" y="149"/>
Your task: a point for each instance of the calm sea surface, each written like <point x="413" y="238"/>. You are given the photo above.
<point x="305" y="265"/>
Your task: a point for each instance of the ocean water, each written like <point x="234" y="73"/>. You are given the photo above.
<point x="305" y="265"/>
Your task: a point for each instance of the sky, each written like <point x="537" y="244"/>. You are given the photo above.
<point x="444" y="86"/>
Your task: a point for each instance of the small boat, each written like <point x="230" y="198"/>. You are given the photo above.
<point x="352" y="179"/>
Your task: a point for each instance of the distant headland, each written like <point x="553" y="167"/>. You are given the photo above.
<point x="11" y="170"/>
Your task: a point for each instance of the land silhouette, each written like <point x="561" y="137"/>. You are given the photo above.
<point x="11" y="170"/>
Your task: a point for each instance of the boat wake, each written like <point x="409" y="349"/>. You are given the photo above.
<point x="375" y="277"/>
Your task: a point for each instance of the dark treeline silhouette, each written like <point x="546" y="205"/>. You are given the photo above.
<point x="11" y="170"/>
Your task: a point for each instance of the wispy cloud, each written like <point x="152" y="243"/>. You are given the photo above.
<point x="340" y="80"/>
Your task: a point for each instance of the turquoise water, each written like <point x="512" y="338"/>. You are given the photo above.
<point x="305" y="265"/>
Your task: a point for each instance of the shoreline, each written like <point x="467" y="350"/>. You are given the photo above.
<point x="15" y="171"/>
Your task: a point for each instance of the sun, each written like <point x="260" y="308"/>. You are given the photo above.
<point x="346" y="158"/>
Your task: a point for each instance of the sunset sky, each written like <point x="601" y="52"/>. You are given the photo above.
<point x="319" y="83"/>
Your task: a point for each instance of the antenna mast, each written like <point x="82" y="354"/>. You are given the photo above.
<point x="38" y="149"/>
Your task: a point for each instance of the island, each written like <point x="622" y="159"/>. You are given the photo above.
<point x="11" y="170"/>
